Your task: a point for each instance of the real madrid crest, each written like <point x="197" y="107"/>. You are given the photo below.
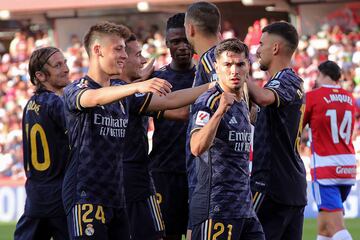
<point x="89" y="231"/>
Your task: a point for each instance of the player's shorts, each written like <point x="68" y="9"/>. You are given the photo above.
<point x="172" y="194"/>
<point x="234" y="229"/>
<point x="145" y="219"/>
<point x="278" y="221"/>
<point x="330" y="198"/>
<point x="30" y="228"/>
<point x="95" y="222"/>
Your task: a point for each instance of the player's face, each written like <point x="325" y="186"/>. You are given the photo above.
<point x="180" y="49"/>
<point x="112" y="55"/>
<point x="135" y="61"/>
<point x="264" y="51"/>
<point x="232" y="69"/>
<point x="58" y="72"/>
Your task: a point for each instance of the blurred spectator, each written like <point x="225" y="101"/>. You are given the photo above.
<point x="228" y="31"/>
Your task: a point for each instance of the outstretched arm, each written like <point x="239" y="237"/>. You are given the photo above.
<point x="178" y="99"/>
<point x="105" y="95"/>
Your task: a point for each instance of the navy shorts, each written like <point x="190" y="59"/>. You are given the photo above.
<point x="279" y="221"/>
<point x="234" y="229"/>
<point x="172" y="194"/>
<point x="95" y="222"/>
<point x="31" y="228"/>
<point x="145" y="219"/>
<point x="330" y="198"/>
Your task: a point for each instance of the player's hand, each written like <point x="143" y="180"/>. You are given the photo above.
<point x="226" y="101"/>
<point x="157" y="86"/>
<point x="148" y="70"/>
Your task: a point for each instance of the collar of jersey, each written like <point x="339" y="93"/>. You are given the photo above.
<point x="218" y="87"/>
<point x="207" y="52"/>
<point x="282" y="70"/>
<point x="185" y="71"/>
<point x="97" y="85"/>
<point x="330" y="86"/>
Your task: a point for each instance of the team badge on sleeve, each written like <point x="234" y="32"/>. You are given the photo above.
<point x="83" y="83"/>
<point x="274" y="84"/>
<point x="202" y="118"/>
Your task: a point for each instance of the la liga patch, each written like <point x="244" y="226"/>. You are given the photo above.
<point x="202" y="118"/>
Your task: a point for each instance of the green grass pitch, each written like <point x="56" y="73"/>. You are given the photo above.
<point x="353" y="225"/>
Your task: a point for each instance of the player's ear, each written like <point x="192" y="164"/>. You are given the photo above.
<point x="276" y="48"/>
<point x="40" y="76"/>
<point x="97" y="50"/>
<point x="191" y="29"/>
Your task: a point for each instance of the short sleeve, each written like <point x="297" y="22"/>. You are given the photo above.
<point x="284" y="91"/>
<point x="200" y="116"/>
<point x="72" y="95"/>
<point x="139" y="103"/>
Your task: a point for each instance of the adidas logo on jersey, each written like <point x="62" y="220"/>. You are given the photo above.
<point x="233" y="120"/>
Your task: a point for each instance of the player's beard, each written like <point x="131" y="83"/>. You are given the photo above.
<point x="263" y="67"/>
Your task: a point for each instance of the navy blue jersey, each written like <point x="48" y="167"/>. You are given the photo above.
<point x="223" y="183"/>
<point x="138" y="184"/>
<point x="95" y="172"/>
<point x="205" y="73"/>
<point x="46" y="150"/>
<point x="168" y="151"/>
<point x="277" y="168"/>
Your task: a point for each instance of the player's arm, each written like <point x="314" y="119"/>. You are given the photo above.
<point x="179" y="114"/>
<point x="105" y="95"/>
<point x="261" y="96"/>
<point x="178" y="98"/>
<point x="202" y="139"/>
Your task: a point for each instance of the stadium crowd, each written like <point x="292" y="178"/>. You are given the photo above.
<point x="15" y="88"/>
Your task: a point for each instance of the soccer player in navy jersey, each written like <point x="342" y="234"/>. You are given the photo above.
<point x="221" y="204"/>
<point x="97" y="118"/>
<point x="202" y="29"/>
<point x="45" y="147"/>
<point x="167" y="158"/>
<point x="142" y="207"/>
<point x="278" y="178"/>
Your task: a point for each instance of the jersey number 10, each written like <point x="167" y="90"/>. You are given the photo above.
<point x="344" y="131"/>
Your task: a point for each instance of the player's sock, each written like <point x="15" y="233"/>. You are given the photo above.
<point x="342" y="235"/>
<point x="321" y="237"/>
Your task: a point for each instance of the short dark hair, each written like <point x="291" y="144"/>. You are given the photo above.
<point x="205" y="16"/>
<point x="130" y="39"/>
<point x="232" y="45"/>
<point x="176" y="21"/>
<point x="286" y="31"/>
<point x="330" y="69"/>
<point x="37" y="61"/>
<point x="104" y="28"/>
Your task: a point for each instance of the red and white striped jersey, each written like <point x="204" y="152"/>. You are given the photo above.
<point x="330" y="113"/>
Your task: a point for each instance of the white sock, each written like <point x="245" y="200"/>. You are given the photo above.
<point x="342" y="235"/>
<point x="321" y="237"/>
